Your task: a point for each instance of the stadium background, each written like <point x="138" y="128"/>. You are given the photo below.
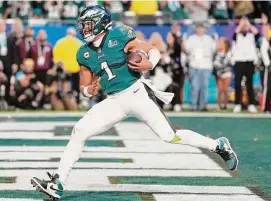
<point x="129" y="162"/>
<point x="55" y="32"/>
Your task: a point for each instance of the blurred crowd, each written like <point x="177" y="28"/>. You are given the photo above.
<point x="32" y="73"/>
<point x="230" y="60"/>
<point x="196" y="10"/>
<point x="36" y="75"/>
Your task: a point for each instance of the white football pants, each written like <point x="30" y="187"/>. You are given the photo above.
<point x="136" y="101"/>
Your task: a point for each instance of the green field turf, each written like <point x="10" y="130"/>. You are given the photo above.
<point x="250" y="137"/>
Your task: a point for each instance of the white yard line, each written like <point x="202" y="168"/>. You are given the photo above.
<point x="195" y="197"/>
<point x="160" y="159"/>
<point x="184" y="161"/>
<point x="18" y="199"/>
<point x="124" y="172"/>
<point x="13" y="156"/>
<point x="172" y="149"/>
<point x="141" y="188"/>
<point x="171" y="114"/>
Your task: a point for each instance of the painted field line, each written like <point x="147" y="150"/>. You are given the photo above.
<point x="195" y="197"/>
<point x="50" y="135"/>
<point x="142" y="188"/>
<point x="18" y="199"/>
<point x="13" y="156"/>
<point x="123" y="172"/>
<point x="40" y="126"/>
<point x="10" y="115"/>
<point x="160" y="148"/>
<point x="183" y="161"/>
<point x="29" y="135"/>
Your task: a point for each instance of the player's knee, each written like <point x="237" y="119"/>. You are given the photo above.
<point x="170" y="137"/>
<point x="79" y="132"/>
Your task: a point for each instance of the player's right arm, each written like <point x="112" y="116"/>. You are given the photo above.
<point x="89" y="83"/>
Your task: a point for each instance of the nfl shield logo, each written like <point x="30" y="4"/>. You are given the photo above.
<point x="86" y="55"/>
<point x="112" y="43"/>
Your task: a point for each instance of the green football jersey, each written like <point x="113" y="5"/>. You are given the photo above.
<point x="109" y="61"/>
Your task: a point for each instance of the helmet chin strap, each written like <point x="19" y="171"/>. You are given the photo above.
<point x="91" y="38"/>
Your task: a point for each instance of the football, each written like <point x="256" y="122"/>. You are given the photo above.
<point x="136" y="56"/>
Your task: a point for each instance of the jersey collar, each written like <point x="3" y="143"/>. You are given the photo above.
<point x="101" y="45"/>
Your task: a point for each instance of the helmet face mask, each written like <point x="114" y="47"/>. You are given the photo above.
<point x="93" y="21"/>
<point x="86" y="30"/>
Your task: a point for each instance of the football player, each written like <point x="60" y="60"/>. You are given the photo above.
<point x="103" y="61"/>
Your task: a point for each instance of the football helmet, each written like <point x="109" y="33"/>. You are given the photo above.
<point x="93" y="21"/>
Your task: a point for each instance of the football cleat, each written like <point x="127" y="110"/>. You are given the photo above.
<point x="227" y="154"/>
<point x="53" y="187"/>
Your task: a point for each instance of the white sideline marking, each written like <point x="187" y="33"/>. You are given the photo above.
<point x="10" y="115"/>
<point x="172" y="197"/>
<point x="124" y="172"/>
<point x="140" y="188"/>
<point x="50" y="136"/>
<point x="18" y="199"/>
<point x="40" y="126"/>
<point x="13" y="156"/>
<point x="144" y="148"/>
<point x="185" y="161"/>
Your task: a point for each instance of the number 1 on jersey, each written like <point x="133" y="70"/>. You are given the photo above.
<point x="105" y="67"/>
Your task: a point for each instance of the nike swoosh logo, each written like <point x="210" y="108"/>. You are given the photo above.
<point x="136" y="90"/>
<point x="51" y="187"/>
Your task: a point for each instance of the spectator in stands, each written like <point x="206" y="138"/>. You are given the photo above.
<point x="200" y="48"/>
<point x="13" y="59"/>
<point x="13" y="40"/>
<point x="3" y="86"/>
<point x="39" y="6"/>
<point x="37" y="14"/>
<point x="140" y="35"/>
<point x="3" y="64"/>
<point x="266" y="55"/>
<point x="126" y="4"/>
<point x="3" y="45"/>
<point x="68" y="58"/>
<point x="23" y="9"/>
<point x="198" y="10"/>
<point x="222" y="69"/>
<point x="146" y="8"/>
<point x="219" y="10"/>
<point x="26" y="43"/>
<point x="175" y="8"/>
<point x="58" y="88"/>
<point x="5" y="9"/>
<point x="71" y="10"/>
<point x="244" y="56"/>
<point x="28" y="91"/>
<point x="53" y="9"/>
<point x="242" y="8"/>
<point x="114" y="7"/>
<point x="42" y="54"/>
<point x="174" y="43"/>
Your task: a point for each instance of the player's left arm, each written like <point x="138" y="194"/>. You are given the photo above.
<point x="146" y="63"/>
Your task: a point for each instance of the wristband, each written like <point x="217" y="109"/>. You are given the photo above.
<point x="154" y="57"/>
